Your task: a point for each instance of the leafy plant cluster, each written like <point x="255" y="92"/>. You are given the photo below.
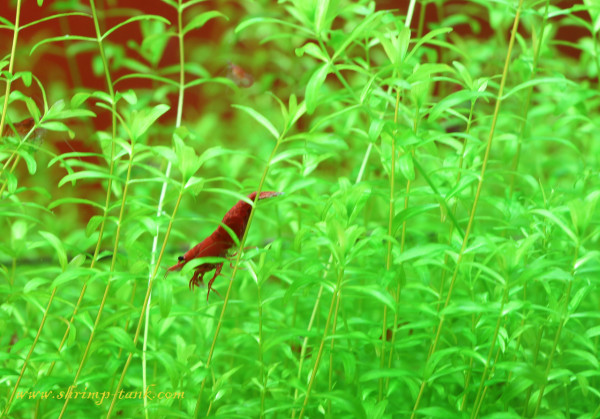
<point x="435" y="252"/>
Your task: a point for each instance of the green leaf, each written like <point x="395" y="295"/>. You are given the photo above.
<point x="376" y="373"/>
<point x="396" y="46"/>
<point x="7" y="23"/>
<point x="358" y="31"/>
<point x="93" y="224"/>
<point x="313" y="50"/>
<point x="457" y="98"/>
<point x="581" y="357"/>
<point x="297" y="112"/>
<point x="34" y="284"/>
<point x="260" y="119"/>
<point x="129" y="96"/>
<point x="25" y="76"/>
<point x="135" y="19"/>
<point x="56" y="16"/>
<point x="165" y="298"/>
<point x="73" y="273"/>
<point x="560" y="223"/>
<point x="86" y="174"/>
<point x="120" y="338"/>
<point x="262" y="20"/>
<point x="373" y="294"/>
<point x="430" y="250"/>
<point x="76" y="201"/>
<point x="58" y="247"/>
<point x="464" y="73"/>
<point x="79" y="98"/>
<point x="426" y="38"/>
<point x="72" y="334"/>
<point x="435" y="412"/>
<point x="213" y="152"/>
<point x="33" y="109"/>
<point x="314" y="86"/>
<point x="196" y="184"/>
<point x="199" y="20"/>
<point x="77" y="261"/>
<point x="144" y="119"/>
<point x="561" y="83"/>
<point x="171" y="3"/>
<point x="189" y="3"/>
<point x="155" y="77"/>
<point x="18" y="231"/>
<point x="29" y="160"/>
<point x="577" y="298"/>
<point x="11" y="181"/>
<point x="188" y="161"/>
<point x="321" y="16"/>
<point x="103" y="96"/>
<point x="57" y="126"/>
<point x="61" y="38"/>
<point x="407" y="167"/>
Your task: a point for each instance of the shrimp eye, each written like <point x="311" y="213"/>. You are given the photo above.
<point x="180" y="258"/>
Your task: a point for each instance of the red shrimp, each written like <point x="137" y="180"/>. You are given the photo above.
<point x="21" y="128"/>
<point x="219" y="242"/>
<point x="239" y="76"/>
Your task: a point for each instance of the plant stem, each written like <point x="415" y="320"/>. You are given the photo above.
<point x="475" y="201"/>
<point x="457" y="182"/>
<point x="391" y="213"/>
<point x="333" y="328"/>
<point x="235" y="269"/>
<point x="102" y="225"/>
<point x="308" y="329"/>
<point x="262" y="378"/>
<point x="11" y="65"/>
<point x="561" y="323"/>
<point x="107" y="288"/>
<point x="28" y="357"/>
<point x="536" y="56"/>
<point x="163" y="192"/>
<point x="334" y="298"/>
<point x="482" y="386"/>
<point x="145" y="304"/>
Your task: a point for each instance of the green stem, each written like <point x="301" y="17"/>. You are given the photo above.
<point x="308" y="329"/>
<point x="106" y="206"/>
<point x="517" y="156"/>
<point x="12" y="169"/>
<point x="391" y="213"/>
<point x="11" y="64"/>
<point x="469" y="370"/>
<point x="446" y="256"/>
<point x="180" y="37"/>
<point x="455" y="205"/>
<point x="235" y="269"/>
<point x="388" y="256"/>
<point x="145" y="304"/>
<point x="561" y="323"/>
<point x="334" y="298"/>
<point x="262" y="378"/>
<point x="475" y="201"/>
<point x="333" y="328"/>
<point x="107" y="288"/>
<point x="482" y="386"/>
<point x="24" y="367"/>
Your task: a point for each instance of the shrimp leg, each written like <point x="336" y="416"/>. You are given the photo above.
<point x="217" y="273"/>
<point x="195" y="281"/>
